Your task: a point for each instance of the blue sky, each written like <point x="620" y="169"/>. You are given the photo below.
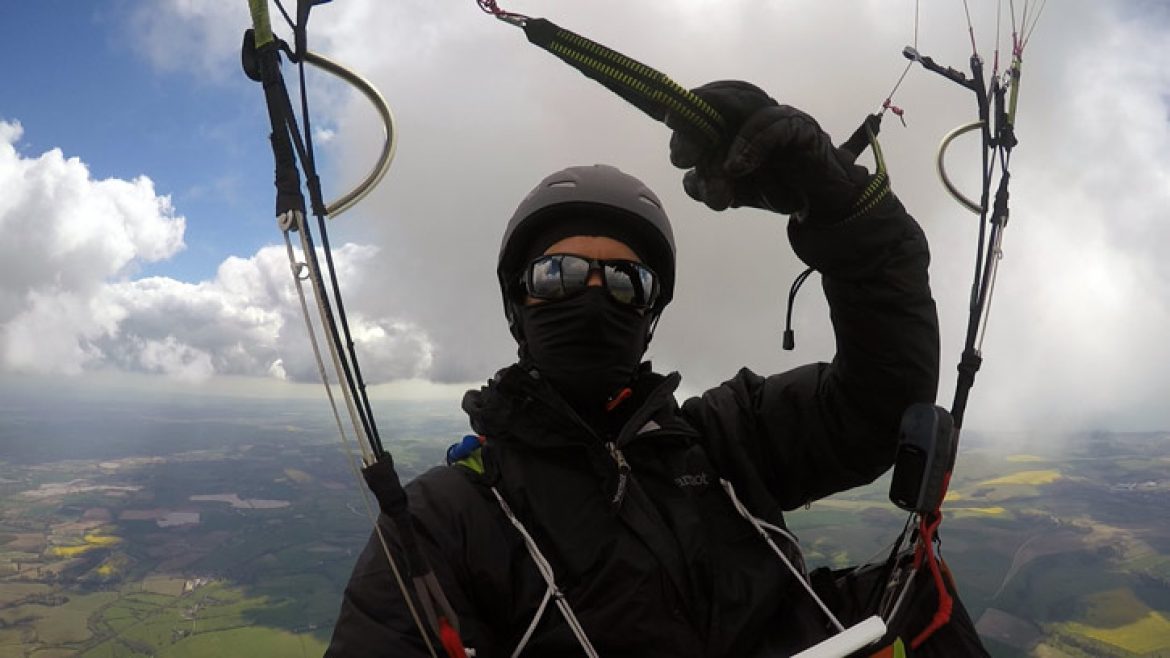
<point x="202" y="140"/>
<point x="179" y="276"/>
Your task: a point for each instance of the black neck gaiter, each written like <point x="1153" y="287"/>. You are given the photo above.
<point x="587" y="346"/>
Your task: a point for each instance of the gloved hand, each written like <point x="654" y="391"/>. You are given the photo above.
<point x="778" y="158"/>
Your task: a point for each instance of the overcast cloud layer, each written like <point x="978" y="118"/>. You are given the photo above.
<point x="1076" y="336"/>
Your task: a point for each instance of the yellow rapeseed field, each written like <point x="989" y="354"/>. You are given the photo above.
<point x="92" y="540"/>
<point x="1025" y="458"/>
<point x="101" y="540"/>
<point x="1148" y="632"/>
<point x="1030" y="478"/>
<point x="70" y="551"/>
<point x="986" y="511"/>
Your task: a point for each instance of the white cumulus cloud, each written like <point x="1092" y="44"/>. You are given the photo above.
<point x="69" y="301"/>
<point x="68" y="235"/>
<point x="1076" y="334"/>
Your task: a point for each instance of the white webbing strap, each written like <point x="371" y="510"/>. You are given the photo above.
<point x="847" y="640"/>
<point x="552" y="592"/>
<point x="762" y="528"/>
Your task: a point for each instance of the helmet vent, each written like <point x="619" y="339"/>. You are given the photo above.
<point x="563" y="183"/>
<point x="645" y="199"/>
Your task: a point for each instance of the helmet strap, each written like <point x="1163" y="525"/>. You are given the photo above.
<point x="652" y="328"/>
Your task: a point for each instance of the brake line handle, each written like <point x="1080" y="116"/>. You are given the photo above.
<point x="646" y="88"/>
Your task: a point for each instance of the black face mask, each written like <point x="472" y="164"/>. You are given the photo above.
<point x="587" y="346"/>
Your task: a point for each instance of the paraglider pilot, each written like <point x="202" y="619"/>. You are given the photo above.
<point x="619" y="487"/>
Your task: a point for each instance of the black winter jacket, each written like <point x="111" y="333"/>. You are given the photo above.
<point x="658" y="563"/>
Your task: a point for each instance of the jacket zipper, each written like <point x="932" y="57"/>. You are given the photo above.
<point x="623" y="474"/>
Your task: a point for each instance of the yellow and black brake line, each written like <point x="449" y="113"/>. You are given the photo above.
<point x="646" y="88"/>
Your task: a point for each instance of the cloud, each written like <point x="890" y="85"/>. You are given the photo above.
<point x="196" y="35"/>
<point x="1077" y="335"/>
<point x="248" y="321"/>
<point x="71" y="303"/>
<point x="1076" y="330"/>
<point x="1074" y="333"/>
<point x="68" y="233"/>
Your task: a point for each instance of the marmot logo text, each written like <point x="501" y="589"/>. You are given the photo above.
<point x="688" y="480"/>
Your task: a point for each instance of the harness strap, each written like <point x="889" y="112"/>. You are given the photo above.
<point x="846" y="641"/>
<point x="553" y="591"/>
<point x="927" y="526"/>
<point x="762" y="527"/>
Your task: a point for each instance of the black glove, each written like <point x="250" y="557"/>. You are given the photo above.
<point x="776" y="158"/>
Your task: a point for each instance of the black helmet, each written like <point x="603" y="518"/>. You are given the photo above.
<point x="620" y="203"/>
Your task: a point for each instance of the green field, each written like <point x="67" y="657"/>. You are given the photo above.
<point x="256" y="582"/>
<point x="1067" y="557"/>
<point x="1055" y="554"/>
<point x="246" y="643"/>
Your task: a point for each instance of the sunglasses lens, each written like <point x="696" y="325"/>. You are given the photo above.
<point x="564" y="275"/>
<point x="544" y="279"/>
<point x="557" y="276"/>
<point x="622" y="282"/>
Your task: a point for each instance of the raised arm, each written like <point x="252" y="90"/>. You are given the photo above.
<point x="801" y="435"/>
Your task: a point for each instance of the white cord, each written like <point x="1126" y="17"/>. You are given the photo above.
<point x="546" y="572"/>
<point x="901" y="596"/>
<point x="295" y="266"/>
<point x="760" y="526"/>
<point x="319" y="293"/>
<point x="285" y="223"/>
<point x="532" y="625"/>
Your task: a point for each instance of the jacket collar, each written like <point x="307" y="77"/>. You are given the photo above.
<point x="516" y="405"/>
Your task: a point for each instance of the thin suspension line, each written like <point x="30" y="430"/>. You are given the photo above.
<point x="1024" y="18"/>
<point x="366" y="410"/>
<point x="327" y="318"/>
<point x="995" y="256"/>
<point x="356" y="384"/>
<point x="890" y="96"/>
<point x="970" y="28"/>
<point x="288" y="19"/>
<point x="886" y="105"/>
<point x="1028" y="36"/>
<point x="334" y="352"/>
<point x="345" y="440"/>
<point x="304" y="151"/>
<point x="998" y="30"/>
<point x="289" y="144"/>
<point x="916" y="7"/>
<point x="312" y="331"/>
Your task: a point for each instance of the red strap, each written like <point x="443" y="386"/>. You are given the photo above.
<point x="492" y="8"/>
<point x="449" y="637"/>
<point x="926" y="528"/>
<point x="621" y="397"/>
